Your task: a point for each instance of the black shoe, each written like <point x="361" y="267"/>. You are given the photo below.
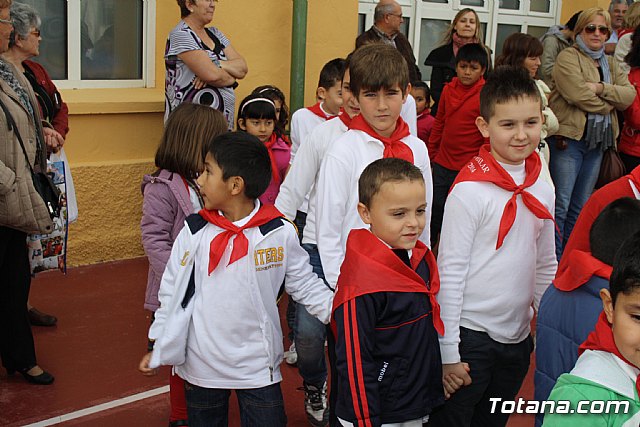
<point x="38" y="318"/>
<point x="44" y="378"/>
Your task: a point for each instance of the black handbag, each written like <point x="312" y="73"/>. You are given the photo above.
<point x="42" y="181"/>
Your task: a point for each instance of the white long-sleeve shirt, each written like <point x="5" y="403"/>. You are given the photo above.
<point x="303" y="175"/>
<point x="410" y="115"/>
<point x="485" y="289"/>
<point x="337" y="193"/>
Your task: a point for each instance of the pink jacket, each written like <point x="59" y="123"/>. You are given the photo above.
<point x="165" y="207"/>
<point x="282" y="153"/>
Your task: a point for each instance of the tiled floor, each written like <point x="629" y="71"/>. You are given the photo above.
<point x="95" y="349"/>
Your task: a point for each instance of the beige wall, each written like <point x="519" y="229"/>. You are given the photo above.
<point x="114" y="133"/>
<point x="569" y="7"/>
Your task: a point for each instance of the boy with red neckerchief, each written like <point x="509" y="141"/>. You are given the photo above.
<point x="380" y="83"/>
<point x="386" y="319"/>
<point x="608" y="369"/>
<point x="218" y="322"/>
<point x="570" y="307"/>
<point x="496" y="255"/>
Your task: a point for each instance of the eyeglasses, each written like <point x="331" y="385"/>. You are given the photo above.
<point x="36" y="32"/>
<point x="6" y="21"/>
<point x="591" y="28"/>
<point x="397" y="15"/>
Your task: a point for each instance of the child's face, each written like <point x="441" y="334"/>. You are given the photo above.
<point x="397" y="213"/>
<point x="332" y="98"/>
<point x="513" y="130"/>
<point x="262" y="128"/>
<point x="421" y="100"/>
<point x="469" y="72"/>
<point x="625" y="320"/>
<point x="213" y="188"/>
<point x="349" y="102"/>
<point x="381" y="109"/>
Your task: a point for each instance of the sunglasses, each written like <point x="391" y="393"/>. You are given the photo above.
<point x="591" y="28"/>
<point x="6" y="21"/>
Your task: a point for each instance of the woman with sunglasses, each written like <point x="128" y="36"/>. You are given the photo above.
<point x="589" y="87"/>
<point x="22" y="210"/>
<point x="23" y="45"/>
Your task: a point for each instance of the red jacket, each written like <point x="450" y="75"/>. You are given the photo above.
<point x="60" y="121"/>
<point x="630" y="135"/>
<point x="455" y="132"/>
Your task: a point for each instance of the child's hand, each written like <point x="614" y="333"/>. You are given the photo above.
<point x="144" y="365"/>
<point x="455" y="376"/>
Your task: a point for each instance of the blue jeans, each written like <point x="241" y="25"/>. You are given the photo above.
<point x="574" y="171"/>
<point x="209" y="407"/>
<point x="310" y="333"/>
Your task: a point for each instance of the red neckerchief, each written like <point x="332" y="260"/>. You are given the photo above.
<point x="370" y="266"/>
<point x="581" y="266"/>
<point x="393" y="146"/>
<point x="344" y="118"/>
<point x="240" y="245"/>
<point x="275" y="174"/>
<point x="315" y="109"/>
<point x="484" y="168"/>
<point x="459" y="94"/>
<point x="602" y="339"/>
<point x="635" y="177"/>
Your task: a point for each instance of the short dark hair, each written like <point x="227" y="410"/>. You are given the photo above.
<point x="256" y="106"/>
<point x="571" y="23"/>
<point x="184" y="9"/>
<point x="242" y="154"/>
<point x="505" y="84"/>
<point x="186" y="133"/>
<point x="419" y="84"/>
<point x="473" y="52"/>
<point x="376" y="66"/>
<point x="385" y="170"/>
<point x="625" y="276"/>
<point x="331" y="73"/>
<point x="518" y="47"/>
<point x="617" y="221"/>
<point x="274" y="93"/>
<point x="633" y="57"/>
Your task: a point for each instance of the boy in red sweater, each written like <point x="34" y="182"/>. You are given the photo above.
<point x="454" y="136"/>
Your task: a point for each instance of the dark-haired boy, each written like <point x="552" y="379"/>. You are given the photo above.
<point x="455" y="138"/>
<point x="570" y="307"/>
<point x="225" y="297"/>
<point x="606" y="374"/>
<point x="496" y="255"/>
<point x="385" y="315"/>
<point x="422" y="95"/>
<point x="380" y="82"/>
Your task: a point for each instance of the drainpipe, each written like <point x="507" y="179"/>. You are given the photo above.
<point x="298" y="54"/>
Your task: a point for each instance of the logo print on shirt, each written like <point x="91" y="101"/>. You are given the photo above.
<point x="268" y="258"/>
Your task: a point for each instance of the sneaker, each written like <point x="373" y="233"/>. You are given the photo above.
<point x="291" y="356"/>
<point x="316" y="405"/>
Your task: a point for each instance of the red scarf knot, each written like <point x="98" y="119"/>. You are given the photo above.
<point x="485" y="168"/>
<point x="318" y="111"/>
<point x="393" y="145"/>
<point x="240" y="244"/>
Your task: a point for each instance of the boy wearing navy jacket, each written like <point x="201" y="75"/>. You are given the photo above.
<point x="218" y="321"/>
<point x="386" y="319"/>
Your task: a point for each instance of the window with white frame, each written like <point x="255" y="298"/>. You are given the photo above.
<point x="425" y="21"/>
<point x="97" y="43"/>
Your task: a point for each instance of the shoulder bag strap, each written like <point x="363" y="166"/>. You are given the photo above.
<point x="11" y="125"/>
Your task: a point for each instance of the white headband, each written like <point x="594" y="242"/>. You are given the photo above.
<point x="255" y="100"/>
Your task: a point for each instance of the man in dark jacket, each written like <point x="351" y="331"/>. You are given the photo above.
<point x="387" y="20"/>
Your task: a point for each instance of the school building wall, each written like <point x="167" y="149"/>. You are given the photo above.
<point x="114" y="132"/>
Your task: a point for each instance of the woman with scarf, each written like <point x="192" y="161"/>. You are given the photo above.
<point x="589" y="87"/>
<point x="464" y="29"/>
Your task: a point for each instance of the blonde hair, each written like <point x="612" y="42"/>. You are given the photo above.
<point x="448" y="35"/>
<point x="632" y="17"/>
<point x="588" y="15"/>
<point x="5" y="3"/>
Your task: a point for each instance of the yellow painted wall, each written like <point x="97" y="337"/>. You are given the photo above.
<point x="569" y="7"/>
<point x="114" y="132"/>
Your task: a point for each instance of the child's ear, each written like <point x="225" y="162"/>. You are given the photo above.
<point x="607" y="304"/>
<point x="363" y="211"/>
<point x="236" y="185"/>
<point x="241" y="124"/>
<point x="483" y="126"/>
<point x="321" y="93"/>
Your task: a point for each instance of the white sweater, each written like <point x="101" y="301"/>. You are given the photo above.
<point x="303" y="175"/>
<point x="485" y="289"/>
<point x="303" y="121"/>
<point x="234" y="339"/>
<point x="337" y="193"/>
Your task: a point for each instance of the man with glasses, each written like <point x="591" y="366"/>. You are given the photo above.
<point x="617" y="9"/>
<point x="387" y="20"/>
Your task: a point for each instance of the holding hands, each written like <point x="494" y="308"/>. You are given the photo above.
<point x="454" y="377"/>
